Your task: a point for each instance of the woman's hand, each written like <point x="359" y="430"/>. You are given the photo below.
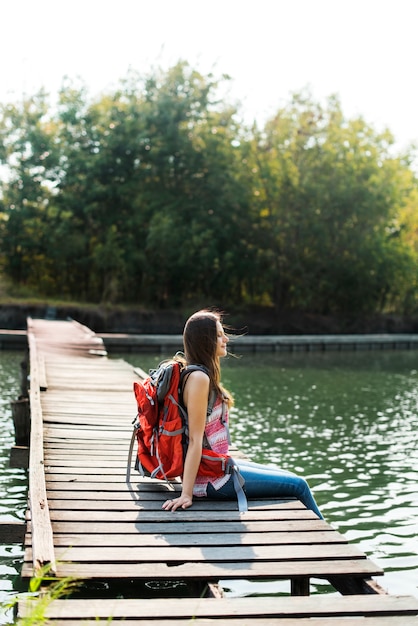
<point x="183" y="502"/>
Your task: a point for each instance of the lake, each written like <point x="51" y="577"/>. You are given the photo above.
<point x="13" y="482"/>
<point x="346" y="421"/>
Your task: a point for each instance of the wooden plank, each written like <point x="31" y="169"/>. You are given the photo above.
<point x="58" y="442"/>
<point x="317" y="606"/>
<point x="151" y="502"/>
<point x="261" y="343"/>
<point x="73" y="400"/>
<point x="207" y="571"/>
<point x="203" y="553"/>
<point x="114" y="491"/>
<point x="60" y="496"/>
<point x="224" y="516"/>
<point x="194" y="527"/>
<point x="159" y="538"/>
<point x="42" y="538"/>
<point x="100" y="454"/>
<point x="392" y="620"/>
<point x="115" y="419"/>
<point x="89" y="428"/>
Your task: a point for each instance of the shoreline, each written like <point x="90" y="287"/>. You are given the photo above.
<point x="127" y="342"/>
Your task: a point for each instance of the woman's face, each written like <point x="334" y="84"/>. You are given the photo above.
<point x="222" y="341"/>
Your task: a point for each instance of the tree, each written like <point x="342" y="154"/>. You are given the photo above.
<point x="331" y="193"/>
<point x="156" y="194"/>
<point x="192" y="201"/>
<point x="30" y="154"/>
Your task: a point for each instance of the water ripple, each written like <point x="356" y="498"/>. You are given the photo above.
<point x="13" y="482"/>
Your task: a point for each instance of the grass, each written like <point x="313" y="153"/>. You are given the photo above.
<point x="43" y="589"/>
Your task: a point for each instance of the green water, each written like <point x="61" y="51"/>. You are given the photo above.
<point x="347" y="421"/>
<point x="13" y="482"/>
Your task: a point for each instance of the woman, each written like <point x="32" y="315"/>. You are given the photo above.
<point x="205" y="343"/>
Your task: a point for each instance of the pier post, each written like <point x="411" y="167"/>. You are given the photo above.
<point x="21" y="421"/>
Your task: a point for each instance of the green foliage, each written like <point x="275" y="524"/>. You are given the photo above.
<point x="330" y="196"/>
<point x="156" y="194"/>
<point x="43" y="589"/>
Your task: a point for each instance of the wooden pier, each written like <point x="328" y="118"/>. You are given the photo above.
<point x="167" y="344"/>
<point x="85" y="521"/>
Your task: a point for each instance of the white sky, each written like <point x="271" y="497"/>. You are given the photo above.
<point x="366" y="51"/>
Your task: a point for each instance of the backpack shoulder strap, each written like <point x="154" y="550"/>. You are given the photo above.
<point x="185" y="373"/>
<point x="188" y="369"/>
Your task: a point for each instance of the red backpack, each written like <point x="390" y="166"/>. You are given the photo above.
<point x="160" y="428"/>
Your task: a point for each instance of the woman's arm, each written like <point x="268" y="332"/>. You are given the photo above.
<point x="195" y="397"/>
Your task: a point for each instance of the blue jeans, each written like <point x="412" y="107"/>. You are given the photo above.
<point x="262" y="481"/>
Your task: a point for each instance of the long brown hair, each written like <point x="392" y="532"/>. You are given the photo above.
<point x="200" y="339"/>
